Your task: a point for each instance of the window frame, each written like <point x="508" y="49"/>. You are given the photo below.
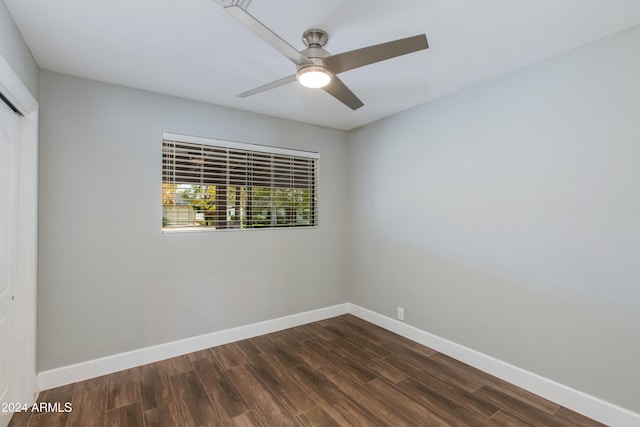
<point x="252" y="148"/>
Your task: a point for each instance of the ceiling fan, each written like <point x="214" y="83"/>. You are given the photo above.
<point x="317" y="68"/>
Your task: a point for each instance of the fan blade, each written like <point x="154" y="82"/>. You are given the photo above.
<point x="268" y="86"/>
<point x="342" y="93"/>
<point x="369" y="55"/>
<point x="267" y="35"/>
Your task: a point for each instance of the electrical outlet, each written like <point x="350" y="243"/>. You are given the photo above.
<point x="400" y="313"/>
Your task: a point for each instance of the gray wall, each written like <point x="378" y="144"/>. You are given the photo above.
<point x="506" y="218"/>
<point x="110" y="281"/>
<point x="16" y="52"/>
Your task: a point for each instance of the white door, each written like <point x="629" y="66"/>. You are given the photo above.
<point x="8" y="251"/>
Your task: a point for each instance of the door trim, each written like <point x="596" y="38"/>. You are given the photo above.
<point x="15" y="92"/>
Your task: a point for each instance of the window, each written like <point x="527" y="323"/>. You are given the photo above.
<point x="212" y="184"/>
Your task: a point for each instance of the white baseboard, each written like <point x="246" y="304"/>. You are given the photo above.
<point x="578" y="401"/>
<point x="118" y="362"/>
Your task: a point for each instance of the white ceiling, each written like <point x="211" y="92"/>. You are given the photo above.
<point x="195" y="50"/>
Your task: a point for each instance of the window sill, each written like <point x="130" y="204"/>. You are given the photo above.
<point x="212" y="230"/>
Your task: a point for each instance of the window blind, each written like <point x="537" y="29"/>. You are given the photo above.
<point x="226" y="186"/>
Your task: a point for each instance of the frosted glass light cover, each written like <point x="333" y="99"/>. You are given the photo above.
<point x="314" y="77"/>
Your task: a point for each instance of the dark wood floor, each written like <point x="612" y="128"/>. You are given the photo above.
<point x="340" y="371"/>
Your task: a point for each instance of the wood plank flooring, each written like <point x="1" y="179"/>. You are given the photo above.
<point x="341" y="371"/>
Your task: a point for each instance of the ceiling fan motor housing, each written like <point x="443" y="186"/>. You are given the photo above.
<point x="315" y="39"/>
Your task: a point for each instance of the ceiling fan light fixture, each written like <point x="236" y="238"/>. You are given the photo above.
<point x="314" y="76"/>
